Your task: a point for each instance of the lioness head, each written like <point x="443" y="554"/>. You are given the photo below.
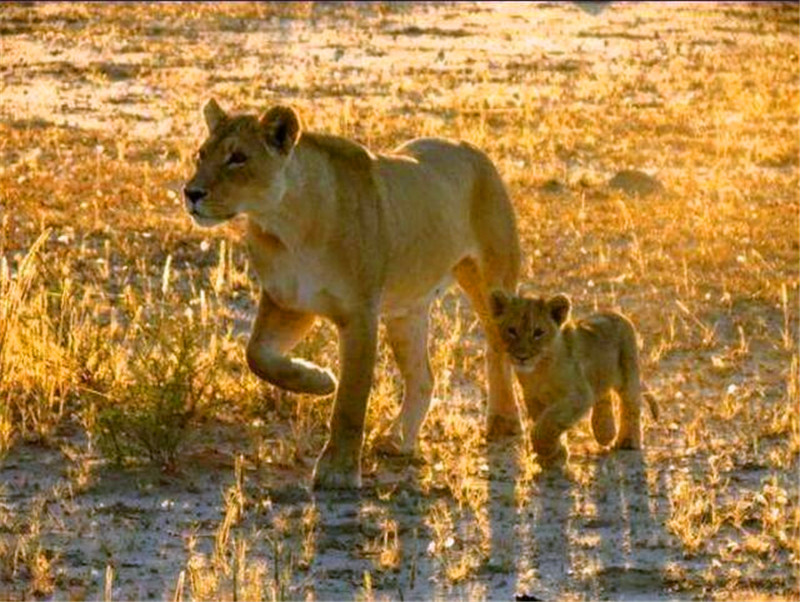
<point x="241" y="166"/>
<point x="528" y="325"/>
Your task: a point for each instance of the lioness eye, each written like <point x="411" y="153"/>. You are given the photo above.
<point x="237" y="158"/>
<point x="512" y="332"/>
<point x="538" y="332"/>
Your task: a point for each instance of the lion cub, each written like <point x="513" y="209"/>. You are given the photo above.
<point x="568" y="367"/>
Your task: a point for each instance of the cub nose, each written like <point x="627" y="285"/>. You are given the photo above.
<point x="195" y="194"/>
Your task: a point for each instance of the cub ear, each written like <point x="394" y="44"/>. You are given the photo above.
<point x="281" y="128"/>
<point x="214" y="115"/>
<point x="498" y="301"/>
<point x="559" y="307"/>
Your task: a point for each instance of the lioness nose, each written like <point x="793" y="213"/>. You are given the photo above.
<point x="194" y="194"/>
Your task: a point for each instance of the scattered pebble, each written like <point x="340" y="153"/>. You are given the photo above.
<point x="553" y="186"/>
<point x="635" y="183"/>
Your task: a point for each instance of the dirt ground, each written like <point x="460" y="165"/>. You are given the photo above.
<point x="99" y="118"/>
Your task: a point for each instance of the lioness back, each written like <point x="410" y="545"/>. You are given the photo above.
<point x="444" y="201"/>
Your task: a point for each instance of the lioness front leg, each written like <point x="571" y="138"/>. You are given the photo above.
<point x="503" y="414"/>
<point x="339" y="465"/>
<point x="275" y="331"/>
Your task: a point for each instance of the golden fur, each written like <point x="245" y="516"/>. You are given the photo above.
<point x="339" y="232"/>
<point x="567" y="367"/>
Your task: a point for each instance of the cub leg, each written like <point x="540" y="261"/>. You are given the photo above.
<point x="603" y="425"/>
<point x="503" y="415"/>
<point x="630" y="431"/>
<point x="408" y="338"/>
<point x="630" y="435"/>
<point x="275" y="331"/>
<point x="535" y="404"/>
<point x="339" y="465"/>
<point x="554" y="421"/>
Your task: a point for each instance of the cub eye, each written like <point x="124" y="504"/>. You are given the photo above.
<point x="511" y="332"/>
<point x="537" y="333"/>
<point x="236" y="158"/>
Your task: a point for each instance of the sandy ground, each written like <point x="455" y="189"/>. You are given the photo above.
<point x="563" y="540"/>
<point x="600" y="533"/>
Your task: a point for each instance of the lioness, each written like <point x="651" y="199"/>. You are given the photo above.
<point x="337" y="231"/>
<point x="566" y="367"/>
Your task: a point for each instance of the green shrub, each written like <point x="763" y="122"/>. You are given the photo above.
<point x="171" y="382"/>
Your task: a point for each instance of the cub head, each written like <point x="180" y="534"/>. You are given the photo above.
<point x="241" y="166"/>
<point x="528" y="325"/>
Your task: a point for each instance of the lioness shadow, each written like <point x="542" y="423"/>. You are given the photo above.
<point x="373" y="543"/>
<point x="504" y="471"/>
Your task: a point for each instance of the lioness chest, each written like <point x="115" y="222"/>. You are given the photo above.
<point x="304" y="282"/>
<point x="300" y="280"/>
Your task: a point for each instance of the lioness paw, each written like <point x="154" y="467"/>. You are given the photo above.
<point x="320" y="381"/>
<point x="331" y="472"/>
<point x="628" y="443"/>
<point x="392" y="444"/>
<point x="499" y="426"/>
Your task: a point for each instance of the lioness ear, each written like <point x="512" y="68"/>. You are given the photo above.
<point x="559" y="307"/>
<point x="498" y="301"/>
<point x="214" y="114"/>
<point x="281" y="128"/>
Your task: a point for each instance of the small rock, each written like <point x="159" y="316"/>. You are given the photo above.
<point x="553" y="186"/>
<point x="635" y="183"/>
<point x="526" y="598"/>
<point x="118" y="71"/>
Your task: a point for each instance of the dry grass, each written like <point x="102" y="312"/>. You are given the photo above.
<point x="98" y="122"/>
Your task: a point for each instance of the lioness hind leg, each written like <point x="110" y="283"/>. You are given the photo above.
<point x="408" y="338"/>
<point x="275" y="331"/>
<point x="503" y="414"/>
<point x="603" y="426"/>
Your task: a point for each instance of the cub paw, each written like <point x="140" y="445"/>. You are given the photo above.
<point x="499" y="426"/>
<point x="603" y="426"/>
<point x="555" y="460"/>
<point x="551" y="454"/>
